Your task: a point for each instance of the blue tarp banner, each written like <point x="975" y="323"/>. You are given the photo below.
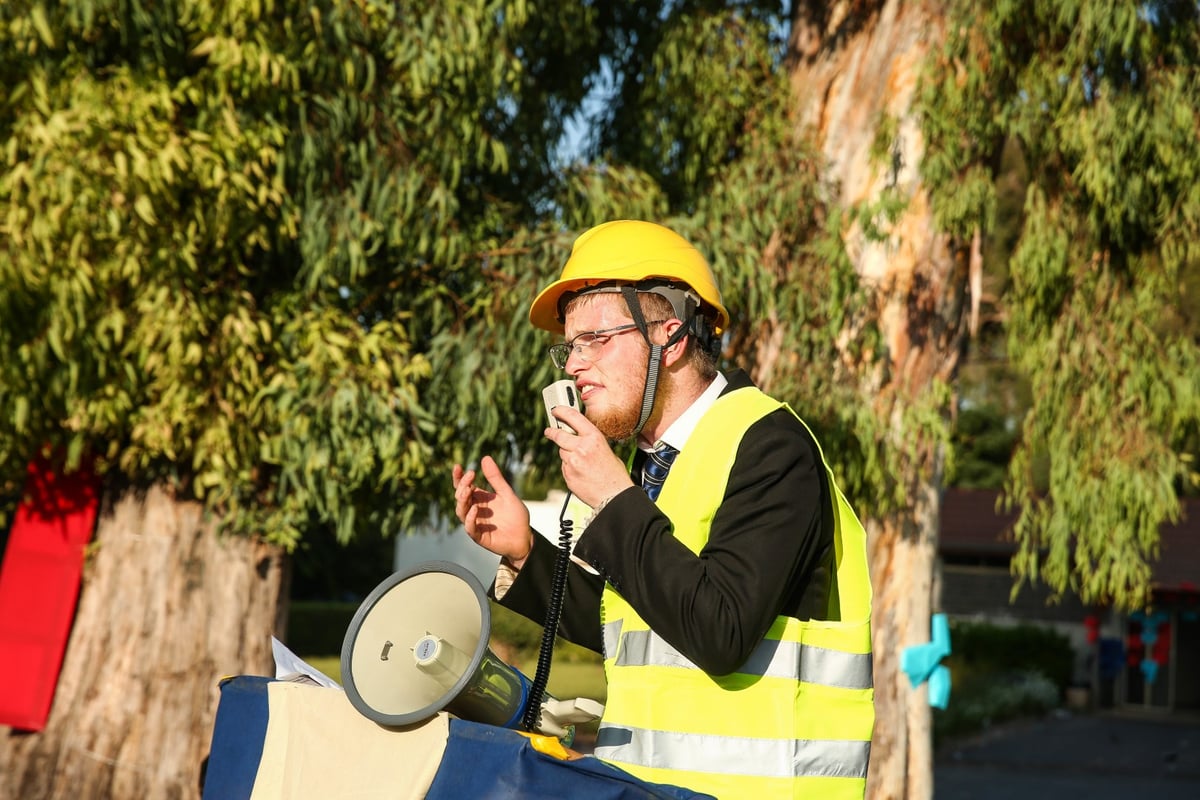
<point x="486" y="761"/>
<point x="238" y="735"/>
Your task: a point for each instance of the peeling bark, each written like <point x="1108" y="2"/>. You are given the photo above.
<point x="854" y="65"/>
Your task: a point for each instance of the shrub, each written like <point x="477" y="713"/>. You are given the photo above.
<point x="318" y="628"/>
<point x="1000" y="673"/>
<point x="986" y="648"/>
<point x="988" y="699"/>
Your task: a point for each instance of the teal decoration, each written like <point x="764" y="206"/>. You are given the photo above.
<point x="922" y="662"/>
<point x="939" y="687"/>
<point x="1150" y="624"/>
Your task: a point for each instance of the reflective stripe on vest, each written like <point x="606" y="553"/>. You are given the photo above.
<point x="732" y="755"/>
<point x="612" y="637"/>
<point x="771" y="658"/>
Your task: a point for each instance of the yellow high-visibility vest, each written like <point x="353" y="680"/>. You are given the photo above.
<point x="796" y="719"/>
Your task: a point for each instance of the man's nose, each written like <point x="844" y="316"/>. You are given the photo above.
<point x="576" y="363"/>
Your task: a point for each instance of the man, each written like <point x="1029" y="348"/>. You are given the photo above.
<point x="730" y="600"/>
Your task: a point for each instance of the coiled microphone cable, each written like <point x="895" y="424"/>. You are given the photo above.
<point x="558" y="592"/>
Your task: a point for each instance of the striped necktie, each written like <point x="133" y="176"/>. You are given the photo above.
<point x="654" y="470"/>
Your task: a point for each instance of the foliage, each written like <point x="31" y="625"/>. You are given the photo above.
<point x="325" y="569"/>
<point x="983" y="444"/>
<point x="279" y="255"/>
<point x="318" y="628"/>
<point x="524" y="637"/>
<point x="690" y="78"/>
<point x="1002" y="672"/>
<point x="701" y="134"/>
<point x="981" y="648"/>
<point x="245" y="245"/>
<point x="991" y="699"/>
<point x="1102" y="99"/>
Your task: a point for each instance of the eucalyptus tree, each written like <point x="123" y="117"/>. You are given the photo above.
<point x="1103" y="101"/>
<point x="913" y="104"/>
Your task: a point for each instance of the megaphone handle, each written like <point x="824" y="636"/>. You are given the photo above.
<point x="558" y="592"/>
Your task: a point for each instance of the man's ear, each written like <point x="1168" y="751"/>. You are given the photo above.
<point x="676" y="351"/>
<point x="670" y="326"/>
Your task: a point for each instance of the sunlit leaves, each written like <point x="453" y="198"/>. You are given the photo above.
<point x="239" y="241"/>
<point x="280" y="255"/>
<point x="1102" y="99"/>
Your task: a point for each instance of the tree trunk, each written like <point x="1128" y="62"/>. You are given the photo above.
<point x="167" y="608"/>
<point x="855" y="65"/>
<point x="903" y="553"/>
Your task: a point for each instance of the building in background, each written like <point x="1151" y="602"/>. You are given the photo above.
<point x="1147" y="659"/>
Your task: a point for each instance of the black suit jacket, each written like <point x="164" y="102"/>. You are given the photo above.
<point x="769" y="552"/>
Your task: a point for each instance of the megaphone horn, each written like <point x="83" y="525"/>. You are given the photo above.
<point x="418" y="644"/>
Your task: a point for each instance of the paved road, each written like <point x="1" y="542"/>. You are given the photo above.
<point x="1101" y="756"/>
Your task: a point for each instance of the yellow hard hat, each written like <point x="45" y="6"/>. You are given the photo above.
<point x="629" y="252"/>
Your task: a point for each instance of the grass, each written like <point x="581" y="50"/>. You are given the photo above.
<point x="329" y="665"/>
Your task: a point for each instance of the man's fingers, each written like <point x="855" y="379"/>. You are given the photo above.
<point x="462" y="490"/>
<point x="572" y="416"/>
<point x="462" y="478"/>
<point x="491" y="471"/>
<point x="468" y="521"/>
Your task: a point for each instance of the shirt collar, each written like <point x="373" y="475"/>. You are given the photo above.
<point x="681" y="429"/>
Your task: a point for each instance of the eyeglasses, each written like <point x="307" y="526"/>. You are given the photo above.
<point x="588" y="345"/>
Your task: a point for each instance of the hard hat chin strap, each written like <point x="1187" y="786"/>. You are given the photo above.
<point x="654" y="364"/>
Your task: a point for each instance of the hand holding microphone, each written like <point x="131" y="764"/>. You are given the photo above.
<point x="592" y="471"/>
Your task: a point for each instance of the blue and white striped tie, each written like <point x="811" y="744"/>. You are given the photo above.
<point x="654" y="470"/>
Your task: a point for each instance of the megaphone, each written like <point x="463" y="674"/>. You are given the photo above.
<point x="418" y="644"/>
